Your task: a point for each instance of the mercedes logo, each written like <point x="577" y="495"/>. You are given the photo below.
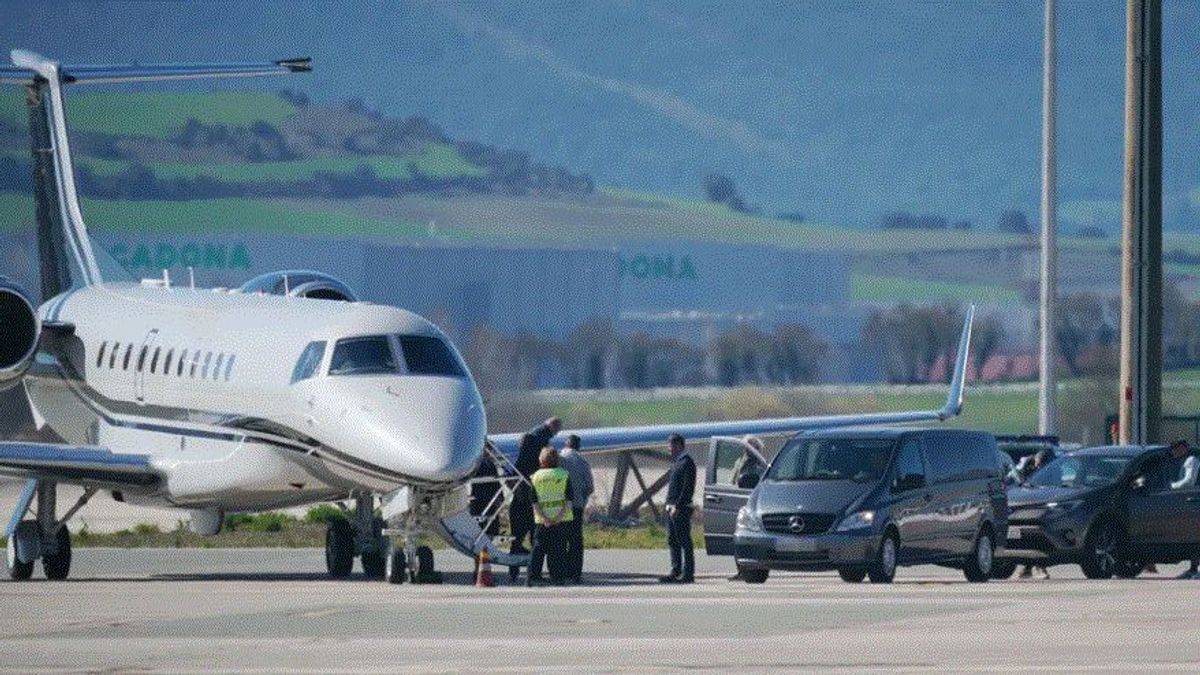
<point x="796" y="524"/>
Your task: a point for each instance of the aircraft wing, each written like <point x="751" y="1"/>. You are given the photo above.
<point x="612" y="439"/>
<point x="79" y="465"/>
<point x="27" y="66"/>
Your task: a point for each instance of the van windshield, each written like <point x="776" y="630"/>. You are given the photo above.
<point x="857" y="459"/>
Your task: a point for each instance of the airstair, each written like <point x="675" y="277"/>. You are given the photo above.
<point x="467" y="532"/>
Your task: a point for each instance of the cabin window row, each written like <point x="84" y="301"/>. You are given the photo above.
<point x="195" y="363"/>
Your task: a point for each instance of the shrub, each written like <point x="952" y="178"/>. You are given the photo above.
<point x="323" y="513"/>
<point x="271" y="521"/>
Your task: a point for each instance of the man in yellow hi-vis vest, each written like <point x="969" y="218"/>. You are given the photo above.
<point x="552" y="497"/>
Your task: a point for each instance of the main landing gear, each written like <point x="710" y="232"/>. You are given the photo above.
<point x="45" y="536"/>
<point x="363" y="537"/>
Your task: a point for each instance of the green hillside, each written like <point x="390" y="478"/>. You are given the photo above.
<point x="874" y="288"/>
<point x="157" y="114"/>
<point x="214" y="215"/>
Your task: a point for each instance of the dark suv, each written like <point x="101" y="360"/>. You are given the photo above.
<point x="1111" y="510"/>
<point x="859" y="502"/>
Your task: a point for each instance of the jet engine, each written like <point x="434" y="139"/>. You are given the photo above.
<point x="20" y="329"/>
<point x="301" y="284"/>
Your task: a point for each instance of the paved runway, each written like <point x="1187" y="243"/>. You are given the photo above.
<point x="272" y="610"/>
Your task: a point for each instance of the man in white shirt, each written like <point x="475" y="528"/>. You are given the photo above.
<point x="581" y="480"/>
<point x="1189" y="466"/>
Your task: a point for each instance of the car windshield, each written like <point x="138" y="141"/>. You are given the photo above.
<point x="858" y="459"/>
<point x="1080" y="471"/>
<point x="363" y="356"/>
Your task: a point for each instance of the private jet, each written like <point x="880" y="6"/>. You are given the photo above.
<point x="287" y="391"/>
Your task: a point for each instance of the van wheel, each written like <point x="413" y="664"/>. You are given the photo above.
<point x="1003" y="569"/>
<point x="755" y="576"/>
<point x="1100" y="551"/>
<point x="852" y="575"/>
<point x="1129" y="569"/>
<point x="978" y="566"/>
<point x="883" y="569"/>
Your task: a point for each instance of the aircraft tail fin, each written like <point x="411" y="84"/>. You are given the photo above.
<point x="65" y="254"/>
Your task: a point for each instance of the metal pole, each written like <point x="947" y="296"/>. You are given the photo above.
<point x="1141" y="246"/>
<point x="1048" y="380"/>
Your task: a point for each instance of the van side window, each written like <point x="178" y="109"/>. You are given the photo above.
<point x="128" y="353"/>
<point x="154" y="360"/>
<point x="183" y="359"/>
<point x="950" y="455"/>
<point x="309" y="361"/>
<point x="984" y="458"/>
<point x="217" y="366"/>
<point x="910" y="464"/>
<point x="207" y="362"/>
<point x="112" y="356"/>
<point x="229" y="367"/>
<point x="100" y="356"/>
<point x="167" y="361"/>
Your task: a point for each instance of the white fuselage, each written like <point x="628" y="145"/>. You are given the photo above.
<point x="204" y="382"/>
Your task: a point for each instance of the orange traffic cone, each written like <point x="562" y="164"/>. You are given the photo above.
<point x="483" y="572"/>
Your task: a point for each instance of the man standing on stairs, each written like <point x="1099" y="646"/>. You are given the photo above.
<point x="520" y="513"/>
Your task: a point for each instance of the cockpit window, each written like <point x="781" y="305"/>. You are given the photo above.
<point x="425" y="355"/>
<point x="310" y="360"/>
<point x="363" y="356"/>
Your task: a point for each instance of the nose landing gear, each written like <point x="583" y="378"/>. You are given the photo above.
<point x="365" y="538"/>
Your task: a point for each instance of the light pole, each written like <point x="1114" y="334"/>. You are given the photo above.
<point x="1047" y="378"/>
<point x="1141" y="239"/>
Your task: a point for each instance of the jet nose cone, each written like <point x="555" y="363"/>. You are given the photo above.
<point x="444" y="430"/>
<point x="424" y="428"/>
<point x="447" y="451"/>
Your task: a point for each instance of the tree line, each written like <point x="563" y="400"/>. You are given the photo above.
<point x="596" y="356"/>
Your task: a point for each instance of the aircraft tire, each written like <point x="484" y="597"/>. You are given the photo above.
<point x="424" y="572"/>
<point x="17" y="570"/>
<point x="339" y="548"/>
<point x="373" y="563"/>
<point x="395" y="568"/>
<point x="58" y="566"/>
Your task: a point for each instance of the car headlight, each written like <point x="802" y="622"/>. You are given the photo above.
<point x="1059" y="508"/>
<point x="748" y="520"/>
<point x="860" y="520"/>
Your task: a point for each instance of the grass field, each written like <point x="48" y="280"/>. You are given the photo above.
<point x="1001" y="409"/>
<point x="1007" y="412"/>
<point x="435" y="161"/>
<point x="873" y="288"/>
<point x="215" y="215"/>
<point x="156" y="114"/>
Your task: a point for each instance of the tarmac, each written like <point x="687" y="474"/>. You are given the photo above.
<point x="151" y="610"/>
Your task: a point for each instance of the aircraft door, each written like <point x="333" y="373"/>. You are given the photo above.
<point x="141" y="363"/>
<point x="734" y="469"/>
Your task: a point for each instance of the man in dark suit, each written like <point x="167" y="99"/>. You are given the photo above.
<point x="680" y="490"/>
<point x="520" y="513"/>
